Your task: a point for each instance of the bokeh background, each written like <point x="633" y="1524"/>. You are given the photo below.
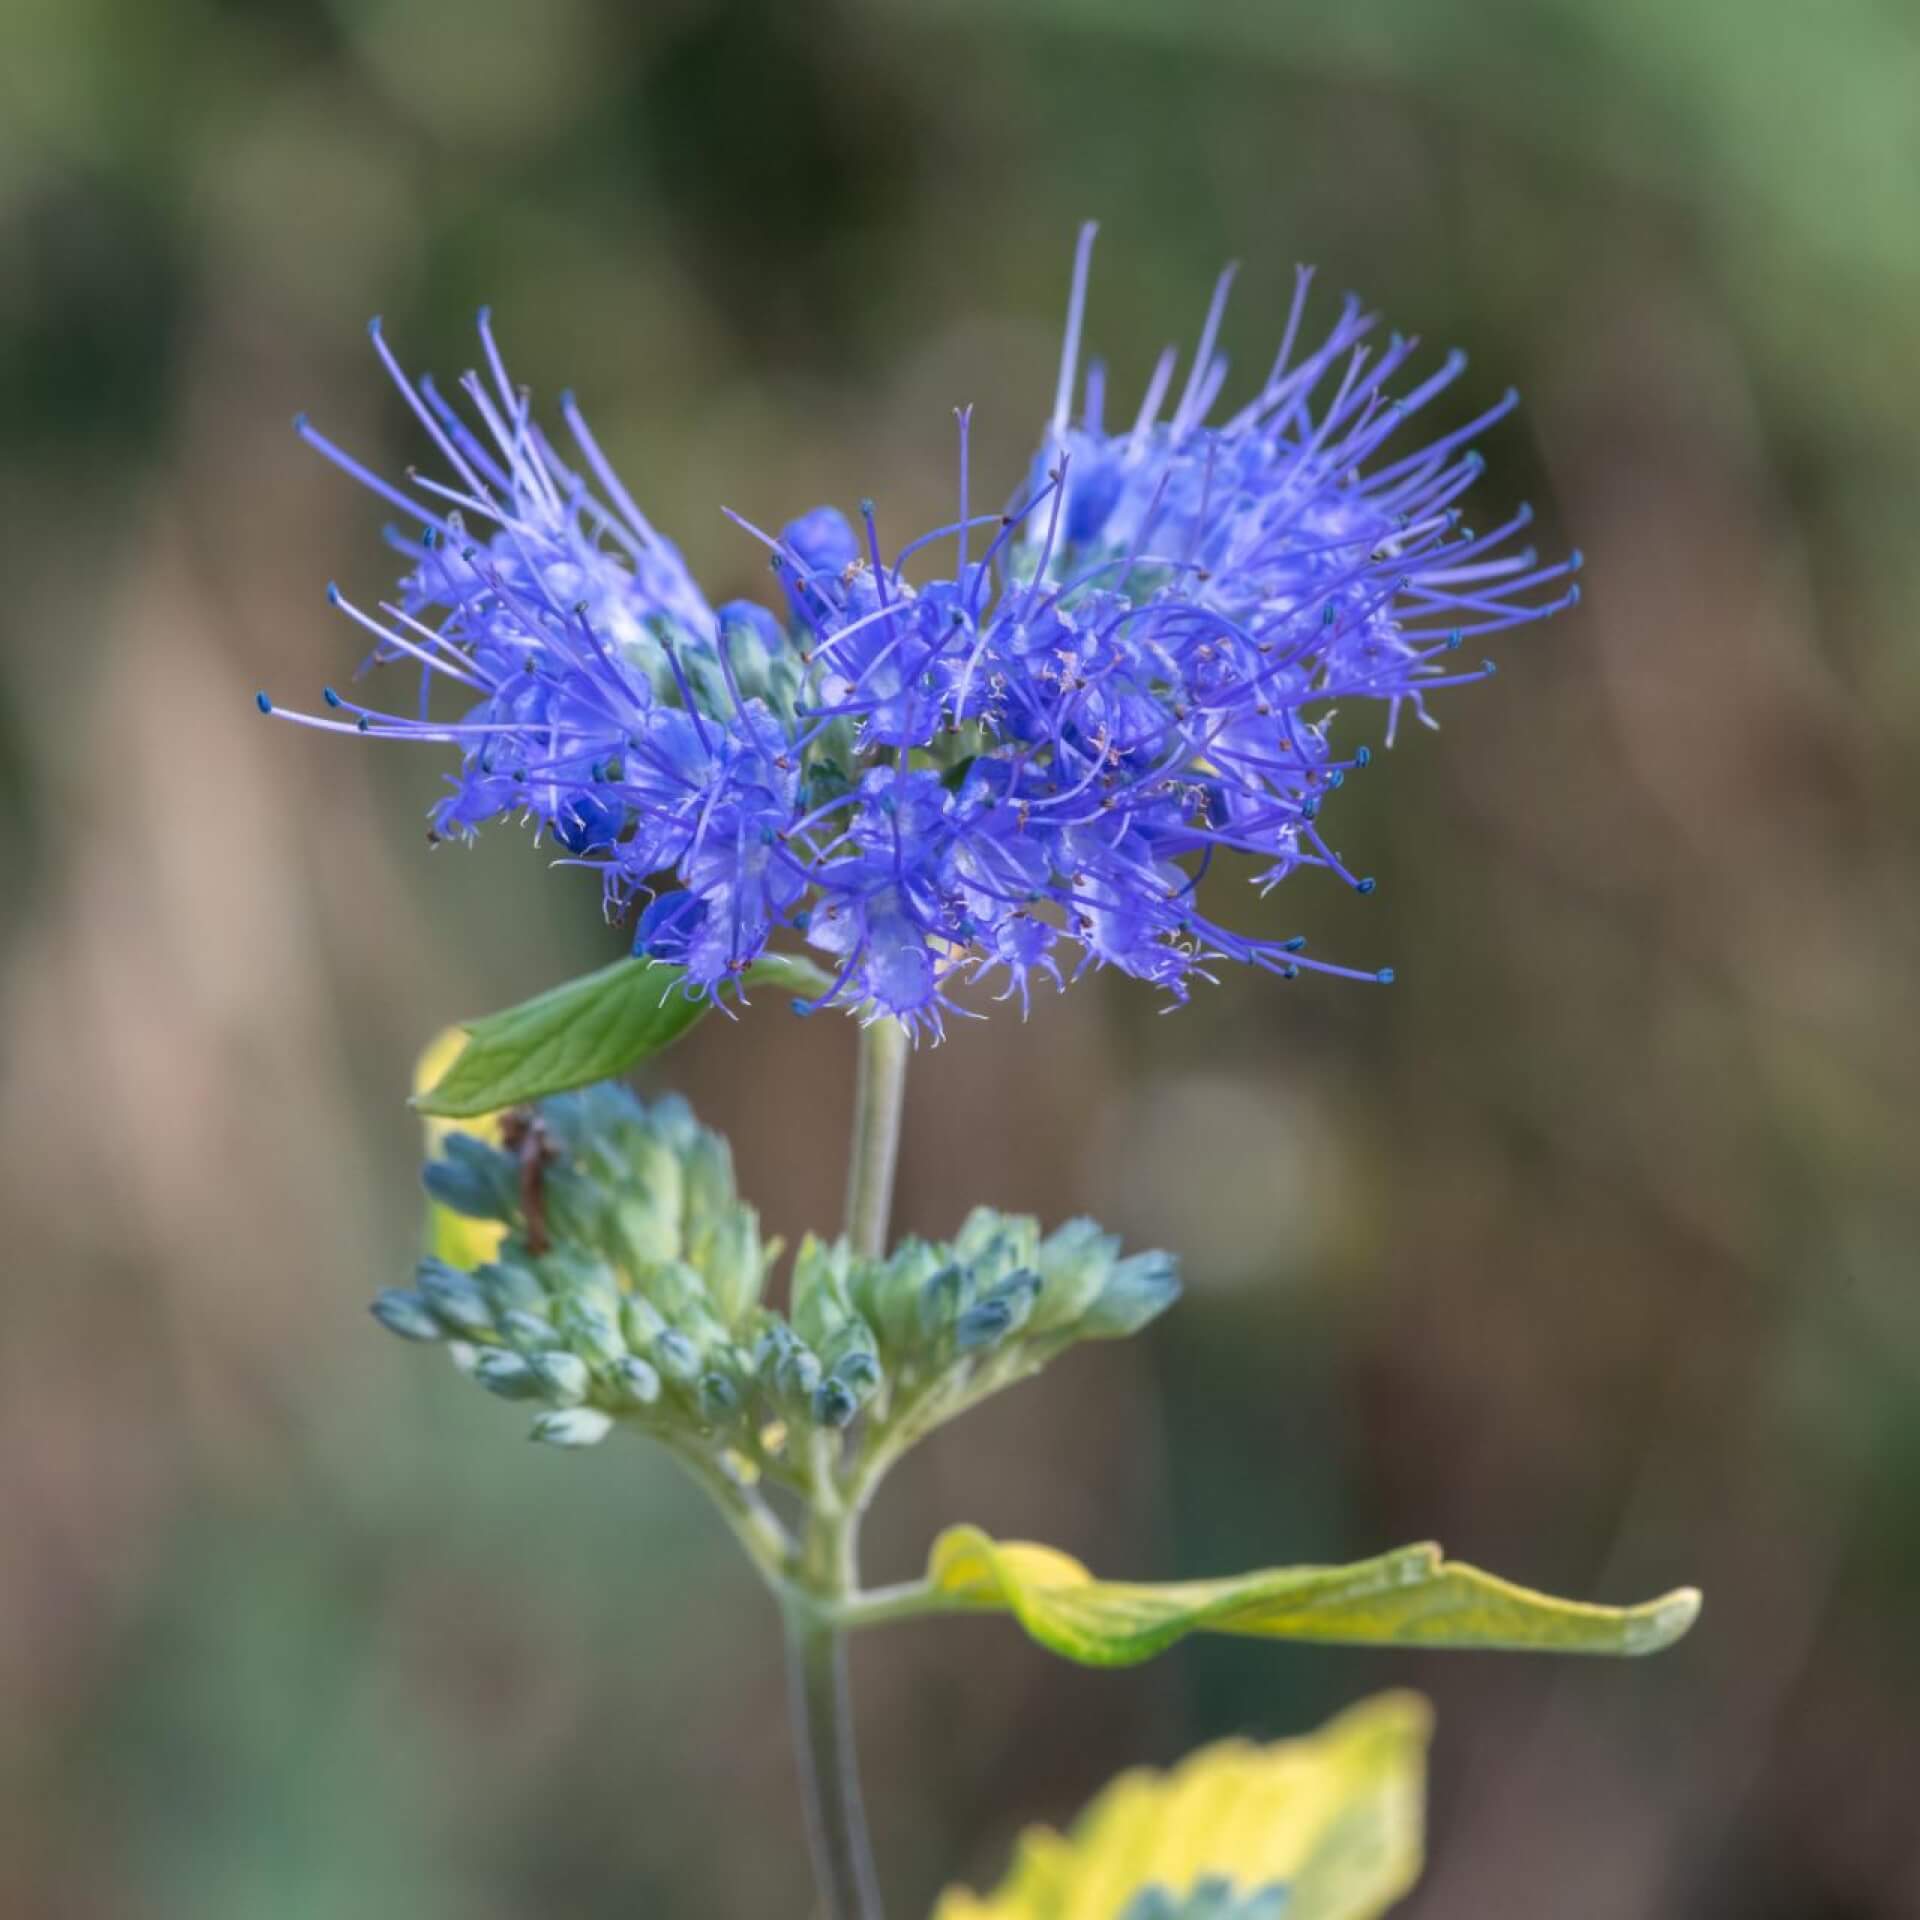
<point x="1589" y="1248"/>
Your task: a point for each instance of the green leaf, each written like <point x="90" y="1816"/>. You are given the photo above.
<point x="1411" y="1598"/>
<point x="1336" y="1818"/>
<point x="589" y="1029"/>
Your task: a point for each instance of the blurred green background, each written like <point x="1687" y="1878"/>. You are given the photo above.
<point x="1589" y="1248"/>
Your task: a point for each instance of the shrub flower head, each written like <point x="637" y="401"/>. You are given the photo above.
<point x="1013" y="770"/>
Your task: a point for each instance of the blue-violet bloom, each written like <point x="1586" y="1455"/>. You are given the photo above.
<point x="1023" y="764"/>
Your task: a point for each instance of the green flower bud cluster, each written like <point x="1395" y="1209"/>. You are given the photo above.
<point x="628" y="1273"/>
<point x="1209" y="1900"/>
<point x="940" y="1325"/>
<point x="628" y="1284"/>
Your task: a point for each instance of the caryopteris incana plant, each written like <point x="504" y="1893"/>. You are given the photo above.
<point x="1009" y="762"/>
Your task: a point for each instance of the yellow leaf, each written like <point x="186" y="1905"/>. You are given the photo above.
<point x="1413" y="1597"/>
<point x="1337" y="1817"/>
<point x="451" y="1236"/>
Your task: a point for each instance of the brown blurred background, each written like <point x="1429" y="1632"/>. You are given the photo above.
<point x="1589" y="1248"/>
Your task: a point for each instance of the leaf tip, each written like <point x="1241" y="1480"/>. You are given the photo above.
<point x="437" y="1102"/>
<point x="435" y="1067"/>
<point x="1661" y="1622"/>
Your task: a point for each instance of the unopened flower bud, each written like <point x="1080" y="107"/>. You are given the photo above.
<point x="730" y="1255"/>
<point x="507" y="1374"/>
<point x="983" y="1324"/>
<point x="859" y="1370"/>
<point x="888" y="1294"/>
<point x="1211" y="1898"/>
<point x="1138" y="1289"/>
<point x="708" y="1191"/>
<point x="571" y="1427"/>
<point x="589" y="1330"/>
<point x="997" y="1314"/>
<point x="563" y="1375"/>
<point x="677" y="1357"/>
<point x="570" y="1272"/>
<point x="527" y="1331"/>
<point x="1270" y="1903"/>
<point x="406" y="1314"/>
<point x="572" y="1206"/>
<point x="799" y="1373"/>
<point x="821" y="1306"/>
<point x="473" y="1178"/>
<point x="941" y="1296"/>
<point x="670" y="1119"/>
<point x="638" y="1381"/>
<point x="641" y="1321"/>
<point x="457" y="1302"/>
<point x="1075" y="1262"/>
<point x="995" y="1244"/>
<point x="773" y="1340"/>
<point x="647" y="1221"/>
<point x="508" y="1285"/>
<point x="719" y="1397"/>
<point x="833" y="1402"/>
<point x="673" y="1287"/>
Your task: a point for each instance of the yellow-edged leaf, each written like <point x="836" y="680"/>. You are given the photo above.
<point x="1337" y="1817"/>
<point x="1413" y="1598"/>
<point x="451" y="1236"/>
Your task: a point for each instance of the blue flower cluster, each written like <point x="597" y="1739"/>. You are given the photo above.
<point x="1025" y="764"/>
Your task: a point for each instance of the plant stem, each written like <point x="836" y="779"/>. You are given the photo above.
<point x="829" y="1570"/>
<point x="878" y="1096"/>
<point x="754" y="1524"/>
<point x="823" y="1723"/>
<point x="881" y="1606"/>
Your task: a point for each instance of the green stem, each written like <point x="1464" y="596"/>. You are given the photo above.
<point x="881" y="1606"/>
<point x="754" y="1524"/>
<point x="878" y="1096"/>
<point x="829" y="1569"/>
<point x="823" y="1722"/>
